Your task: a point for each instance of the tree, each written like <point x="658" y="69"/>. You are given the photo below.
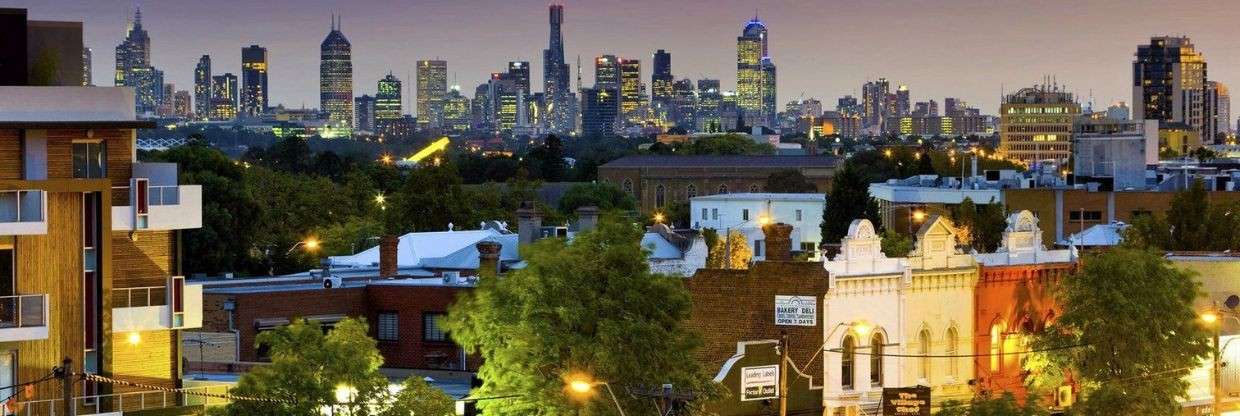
<point x="980" y="227"/>
<point x="1187" y="217"/>
<point x="588" y="306"/>
<point x="546" y="162"/>
<point x="307" y="367"/>
<point x="789" y="181"/>
<point x="1004" y="405"/>
<point x="924" y="165"/>
<point x="605" y="196"/>
<point x="1147" y="231"/>
<point x="734" y="253"/>
<point x="849" y="199"/>
<point x="895" y="244"/>
<point x="1128" y="334"/>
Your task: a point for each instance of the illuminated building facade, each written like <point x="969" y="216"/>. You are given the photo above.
<point x="432" y="87"/>
<point x="755" y="76"/>
<point x="1036" y="124"/>
<point x="387" y="104"/>
<point x="505" y="98"/>
<point x="607" y="72"/>
<point x="365" y="112"/>
<point x="598" y="111"/>
<point x="254" y="81"/>
<point x="134" y="70"/>
<point x="873" y="96"/>
<point x="181" y="104"/>
<point x="707" y="110"/>
<point x="202" y="88"/>
<point x="1169" y="83"/>
<point x="558" y="96"/>
<point x="682" y="106"/>
<point x="336" y="76"/>
<point x="1218" y="101"/>
<point x="661" y="79"/>
<point x="224" y="97"/>
<point x="632" y="92"/>
<point x="519" y="73"/>
<point x="456" y="113"/>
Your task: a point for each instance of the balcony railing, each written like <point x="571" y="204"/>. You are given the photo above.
<point x="23" y="212"/>
<point x="131" y="401"/>
<point x="23" y="317"/>
<point x="134" y="297"/>
<point x="156" y="195"/>
<point x="176" y="305"/>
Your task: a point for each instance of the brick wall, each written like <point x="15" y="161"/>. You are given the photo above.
<point x="411" y="304"/>
<point x="1007" y="296"/>
<point x="730" y="306"/>
<point x="250" y="307"/>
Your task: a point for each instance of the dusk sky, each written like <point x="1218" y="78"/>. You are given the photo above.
<point x="970" y="49"/>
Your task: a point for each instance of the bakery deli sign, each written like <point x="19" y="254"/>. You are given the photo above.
<point x="796" y="310"/>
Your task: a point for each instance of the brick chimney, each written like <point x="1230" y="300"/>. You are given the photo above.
<point x="587" y="218"/>
<point x="488" y="258"/>
<point x="778" y="242"/>
<point x="529" y="223"/>
<point x="387" y="255"/>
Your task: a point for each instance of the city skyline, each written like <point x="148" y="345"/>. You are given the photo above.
<point x="824" y="52"/>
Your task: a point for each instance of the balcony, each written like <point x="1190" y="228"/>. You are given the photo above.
<point x="23" y="212"/>
<point x="174" y="306"/>
<point x="23" y="318"/>
<point x="154" y="201"/>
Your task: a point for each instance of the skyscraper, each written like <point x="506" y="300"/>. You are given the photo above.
<point x="902" y="101"/>
<point x="365" y="111"/>
<point x="681" y="105"/>
<point x="224" y="97"/>
<point x="607" y="72"/>
<point x="253" y="81"/>
<point x="432" y="86"/>
<point x="519" y="73"/>
<point x="598" y="111"/>
<point x="755" y="76"/>
<point x="661" y="82"/>
<point x="1036" y="124"/>
<point x="709" y="102"/>
<point x="336" y="76"/>
<point x="1169" y="84"/>
<point x="387" y="104"/>
<point x="873" y="96"/>
<point x="631" y="90"/>
<point x="556" y="90"/>
<point x="202" y="88"/>
<point x="456" y="112"/>
<point x="1218" y="104"/>
<point x="505" y="100"/>
<point x="133" y="67"/>
<point x="181" y="104"/>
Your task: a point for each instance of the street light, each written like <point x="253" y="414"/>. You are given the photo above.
<point x="658" y="217"/>
<point x="311" y="244"/>
<point x="1212" y="318"/>
<point x="582" y="385"/>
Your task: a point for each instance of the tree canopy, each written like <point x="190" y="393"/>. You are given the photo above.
<point x="789" y="181"/>
<point x="605" y="196"/>
<point x="732" y="253"/>
<point x="980" y="227"/>
<point x="1004" y="405"/>
<point x="849" y="199"/>
<point x="1192" y="223"/>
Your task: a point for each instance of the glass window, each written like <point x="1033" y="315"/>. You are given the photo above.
<point x="659" y="196"/>
<point x="876" y="360"/>
<point x="798" y="215"/>
<point x="714" y="213"/>
<point x="758" y="247"/>
<point x="704" y="217"/>
<point x="744" y="215"/>
<point x="953" y="348"/>
<point x="31" y="206"/>
<point x="89" y="160"/>
<point x="388" y="326"/>
<point x="923" y="369"/>
<point x="847" y="356"/>
<point x="8" y="266"/>
<point x="8" y="206"/>
<point x="996" y="347"/>
<point x="691" y="191"/>
<point x="432" y="327"/>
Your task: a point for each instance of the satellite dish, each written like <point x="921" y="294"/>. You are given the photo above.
<point x="1232" y="302"/>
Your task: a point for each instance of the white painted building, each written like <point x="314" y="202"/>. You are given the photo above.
<point x="747" y="212"/>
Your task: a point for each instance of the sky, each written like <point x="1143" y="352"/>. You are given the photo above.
<point x="972" y="49"/>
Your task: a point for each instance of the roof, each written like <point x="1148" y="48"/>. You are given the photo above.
<point x="764" y="196"/>
<point x="723" y="161"/>
<point x="438" y="249"/>
<point x="1098" y="235"/>
<point x="68" y="107"/>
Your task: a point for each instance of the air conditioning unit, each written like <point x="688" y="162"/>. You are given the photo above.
<point x="332" y="282"/>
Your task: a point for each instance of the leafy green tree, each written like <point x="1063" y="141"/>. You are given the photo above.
<point x="349" y="236"/>
<point x="1004" y="405"/>
<point x="308" y="367"/>
<point x="896" y="244"/>
<point x="430" y="198"/>
<point x="725" y="144"/>
<point x="789" y="181"/>
<point x="1187" y="217"/>
<point x="546" y="162"/>
<point x="588" y="306"/>
<point x="1128" y="334"/>
<point x="849" y="199"/>
<point x="734" y="253"/>
<point x="924" y="164"/>
<point x="605" y="196"/>
<point x="1147" y="231"/>
<point x="980" y="227"/>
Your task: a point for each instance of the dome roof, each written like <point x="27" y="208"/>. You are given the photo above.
<point x="754" y="27"/>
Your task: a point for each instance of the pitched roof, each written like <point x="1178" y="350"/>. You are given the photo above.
<point x="723" y="161"/>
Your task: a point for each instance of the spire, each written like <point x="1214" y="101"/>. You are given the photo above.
<point x="137" y="16"/>
<point x="333" y="24"/>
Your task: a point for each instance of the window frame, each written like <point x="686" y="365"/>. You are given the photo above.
<point x="848" y="362"/>
<point x="380" y="327"/>
<point x="877" y="369"/>
<point x="425" y="328"/>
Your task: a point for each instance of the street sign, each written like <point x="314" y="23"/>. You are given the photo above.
<point x="906" y="401"/>
<point x="759" y="383"/>
<point x="796" y="310"/>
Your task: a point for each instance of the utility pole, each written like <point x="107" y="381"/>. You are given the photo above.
<point x="1215" y="391"/>
<point x="66" y="385"/>
<point x="783" y="373"/>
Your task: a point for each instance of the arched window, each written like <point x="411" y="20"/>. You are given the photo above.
<point x="996" y="346"/>
<point x="658" y="196"/>
<point x="923" y="367"/>
<point x="846" y="362"/>
<point x="691" y="191"/>
<point x="723" y="189"/>
<point x="876" y="359"/>
<point x="628" y="186"/>
<point x="754" y="188"/>
<point x="953" y="348"/>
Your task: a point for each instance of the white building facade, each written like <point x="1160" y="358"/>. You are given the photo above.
<point x="747" y="212"/>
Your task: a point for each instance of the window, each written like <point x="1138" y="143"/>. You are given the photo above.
<point x="754" y="188"/>
<point x="798" y="215"/>
<point x="758" y="247"/>
<point x="744" y="215"/>
<point x="714" y="213"/>
<point x="923" y="367"/>
<point x="388" y="327"/>
<point x="876" y="360"/>
<point x="8" y="269"/>
<point x="996" y="347"/>
<point x="88" y="160"/>
<point x="627" y="186"/>
<point x="691" y="191"/>
<point x="1085" y="215"/>
<point x="659" y="196"/>
<point x="21" y="206"/>
<point x="8" y="372"/>
<point x="953" y="367"/>
<point x="704" y="216"/>
<point x="432" y="328"/>
<point x="849" y="348"/>
<point x="723" y="189"/>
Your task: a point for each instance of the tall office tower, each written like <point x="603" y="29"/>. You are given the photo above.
<point x="1218" y="112"/>
<point x="387" y="104"/>
<point x="364" y="108"/>
<point x="202" y="88"/>
<point x="87" y="66"/>
<point x="166" y="97"/>
<point x="682" y="104"/>
<point x="254" y="81"/>
<point x="133" y="67"/>
<point x="1036" y="124"/>
<point x="432" y="85"/>
<point x="598" y="111"/>
<point x="902" y="101"/>
<point x="456" y="112"/>
<point x="558" y="99"/>
<point x="224" y="97"/>
<point x="1169" y="84"/>
<point x="519" y="73"/>
<point x="505" y="100"/>
<point x="953" y="107"/>
<point x="607" y="72"/>
<point x="631" y="91"/>
<point x="755" y="76"/>
<point x="336" y="76"/>
<point x="661" y="91"/>
<point x="1119" y="111"/>
<point x="848" y="105"/>
<point x="480" y="108"/>
<point x="181" y="104"/>
<point x="709" y="100"/>
<point x="873" y="96"/>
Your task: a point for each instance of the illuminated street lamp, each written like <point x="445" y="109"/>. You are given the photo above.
<point x="582" y="386"/>
<point x="311" y="244"/>
<point x="658" y="217"/>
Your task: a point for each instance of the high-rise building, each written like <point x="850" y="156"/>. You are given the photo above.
<point x="133" y="67"/>
<point x="848" y="105"/>
<point x="1119" y="111"/>
<point x="598" y="111"/>
<point x="661" y="79"/>
<point x="1169" y="84"/>
<point x="167" y="100"/>
<point x="631" y="91"/>
<point x="505" y="102"/>
<point x="873" y="97"/>
<point x="182" y="104"/>
<point x="607" y="72"/>
<point x="432" y="85"/>
<point x="254" y="81"/>
<point x="709" y="100"/>
<point x="902" y="101"/>
<point x="456" y="112"/>
<point x="519" y="73"/>
<point x="953" y="107"/>
<point x="202" y="88"/>
<point x="87" y="66"/>
<point x="387" y="104"/>
<point x="681" y="107"/>
<point x="480" y="108"/>
<point x="558" y="96"/>
<point x="755" y="76"/>
<point x="336" y="76"/>
<point x="1037" y="123"/>
<point x="1218" y="106"/>
<point x="364" y="108"/>
<point x="224" y="97"/>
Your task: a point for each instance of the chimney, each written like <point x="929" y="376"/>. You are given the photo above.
<point x="488" y="258"/>
<point x="587" y="218"/>
<point x="387" y="255"/>
<point x="529" y="223"/>
<point x="778" y="242"/>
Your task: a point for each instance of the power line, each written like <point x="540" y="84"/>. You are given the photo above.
<point x="841" y="351"/>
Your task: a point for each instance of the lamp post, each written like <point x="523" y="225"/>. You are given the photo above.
<point x="583" y="386"/>
<point x="1213" y="319"/>
<point x="913" y="214"/>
